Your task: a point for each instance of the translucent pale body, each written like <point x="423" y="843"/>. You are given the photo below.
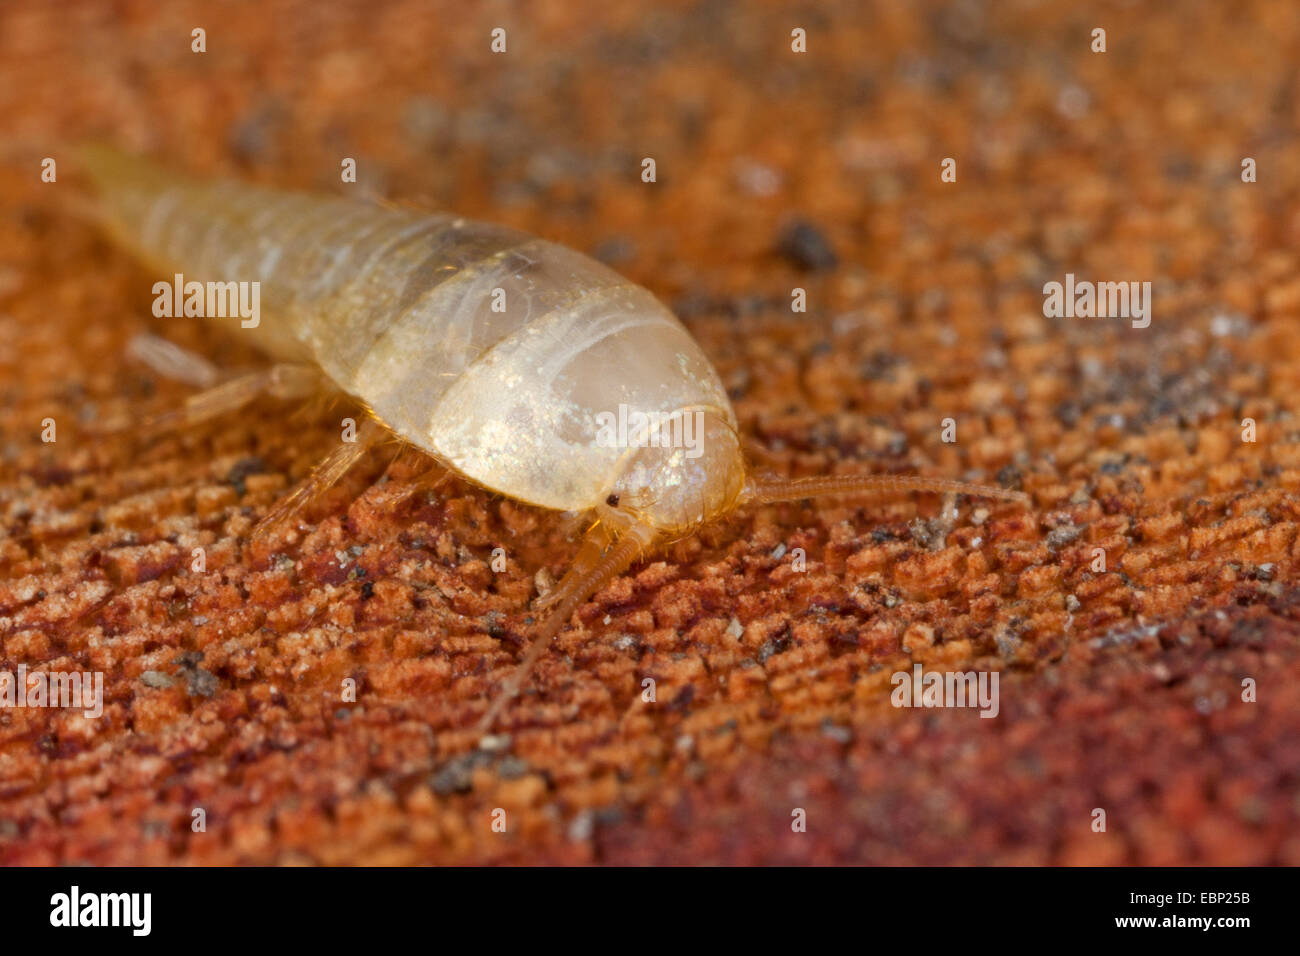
<point x="489" y="349"/>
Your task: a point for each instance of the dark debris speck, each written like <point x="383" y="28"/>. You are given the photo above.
<point x="806" y="246"/>
<point x="241" y="469"/>
<point x="202" y="683"/>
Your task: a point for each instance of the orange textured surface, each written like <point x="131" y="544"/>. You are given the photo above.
<point x="1120" y="690"/>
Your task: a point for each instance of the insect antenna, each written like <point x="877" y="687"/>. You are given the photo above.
<point x="575" y="587"/>
<point x="766" y="490"/>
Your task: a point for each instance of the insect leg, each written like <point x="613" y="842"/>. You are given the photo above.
<point x="169" y="360"/>
<point x="427" y="482"/>
<point x="323" y="477"/>
<point x="578" y="584"/>
<point x="278" y="381"/>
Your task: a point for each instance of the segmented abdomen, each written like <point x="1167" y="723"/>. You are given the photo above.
<point x="490" y="349"/>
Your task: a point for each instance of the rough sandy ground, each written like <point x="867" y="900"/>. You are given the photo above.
<point x="1120" y="690"/>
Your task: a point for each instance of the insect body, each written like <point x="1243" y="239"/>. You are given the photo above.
<point x="493" y="352"/>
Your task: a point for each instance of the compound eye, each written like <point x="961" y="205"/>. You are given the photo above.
<point x="612" y="501"/>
